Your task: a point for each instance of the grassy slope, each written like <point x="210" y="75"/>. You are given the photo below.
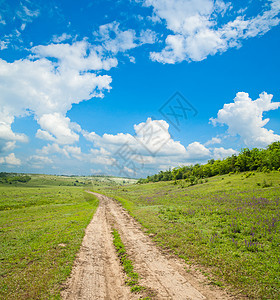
<point x="230" y="226"/>
<point x="41" y="228"/>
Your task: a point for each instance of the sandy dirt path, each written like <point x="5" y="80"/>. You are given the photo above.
<point x="97" y="273"/>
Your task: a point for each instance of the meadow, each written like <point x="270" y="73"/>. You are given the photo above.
<point x="227" y="226"/>
<point x="42" y="225"/>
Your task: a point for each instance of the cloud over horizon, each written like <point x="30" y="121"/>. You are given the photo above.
<point x="244" y="117"/>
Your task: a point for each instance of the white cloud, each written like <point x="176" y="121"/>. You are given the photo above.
<point x="58" y="126"/>
<point x="147" y="37"/>
<point x="220" y="153"/>
<point x="244" y="117"/>
<point x="150" y="148"/>
<point x="79" y="56"/>
<point x="10" y="160"/>
<point x="100" y="157"/>
<point x="196" y="32"/>
<point x="47" y="88"/>
<point x="17" y="15"/>
<point x="44" y="89"/>
<point x="52" y="149"/>
<point x="154" y="18"/>
<point x="39" y="161"/>
<point x="155" y="136"/>
<point x="115" y="40"/>
<point x="123" y="40"/>
<point x="8" y="146"/>
<point x="197" y="152"/>
<point x="3" y="45"/>
<point x="132" y="59"/>
<point x="214" y="140"/>
<point x="151" y="137"/>
<point x="67" y="151"/>
<point x="2" y="21"/>
<point x="22" y="27"/>
<point x="27" y="14"/>
<point x="7" y="134"/>
<point x="74" y="151"/>
<point x="128" y="170"/>
<point x="61" y="38"/>
<point x="8" y="138"/>
<point x="44" y="135"/>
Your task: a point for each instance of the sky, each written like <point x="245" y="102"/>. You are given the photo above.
<point x="131" y="87"/>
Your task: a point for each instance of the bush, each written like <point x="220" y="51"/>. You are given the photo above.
<point x="266" y="184"/>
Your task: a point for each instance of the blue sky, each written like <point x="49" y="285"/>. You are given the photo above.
<point x="132" y="87"/>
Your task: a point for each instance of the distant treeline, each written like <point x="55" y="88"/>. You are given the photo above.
<point x="13" y="178"/>
<point x="263" y="160"/>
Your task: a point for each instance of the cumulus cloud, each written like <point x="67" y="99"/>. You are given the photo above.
<point x="55" y="77"/>
<point x="58" y="126"/>
<point x="8" y="138"/>
<point x="155" y="137"/>
<point x="10" y="160"/>
<point x="220" y="153"/>
<point x="197" y="151"/>
<point x="151" y="137"/>
<point x="244" y="117"/>
<point x="127" y="154"/>
<point x="7" y="134"/>
<point x="196" y="32"/>
<point x="151" y="147"/>
<point x="79" y="56"/>
<point x="74" y="151"/>
<point x="44" y="135"/>
<point x="58" y="75"/>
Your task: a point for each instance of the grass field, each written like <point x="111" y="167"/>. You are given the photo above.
<point x="228" y="225"/>
<point x="41" y="228"/>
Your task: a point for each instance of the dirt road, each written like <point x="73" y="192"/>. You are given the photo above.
<point x="97" y="273"/>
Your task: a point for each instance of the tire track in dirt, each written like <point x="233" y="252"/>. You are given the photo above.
<point x="97" y="273"/>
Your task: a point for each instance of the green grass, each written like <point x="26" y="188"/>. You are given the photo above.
<point x="229" y="226"/>
<point x="132" y="276"/>
<point x="41" y="228"/>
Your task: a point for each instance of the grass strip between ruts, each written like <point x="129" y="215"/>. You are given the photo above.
<point x="132" y="276"/>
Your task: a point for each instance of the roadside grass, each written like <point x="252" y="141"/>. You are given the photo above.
<point x="229" y="225"/>
<point x="132" y="276"/>
<point x="41" y="229"/>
